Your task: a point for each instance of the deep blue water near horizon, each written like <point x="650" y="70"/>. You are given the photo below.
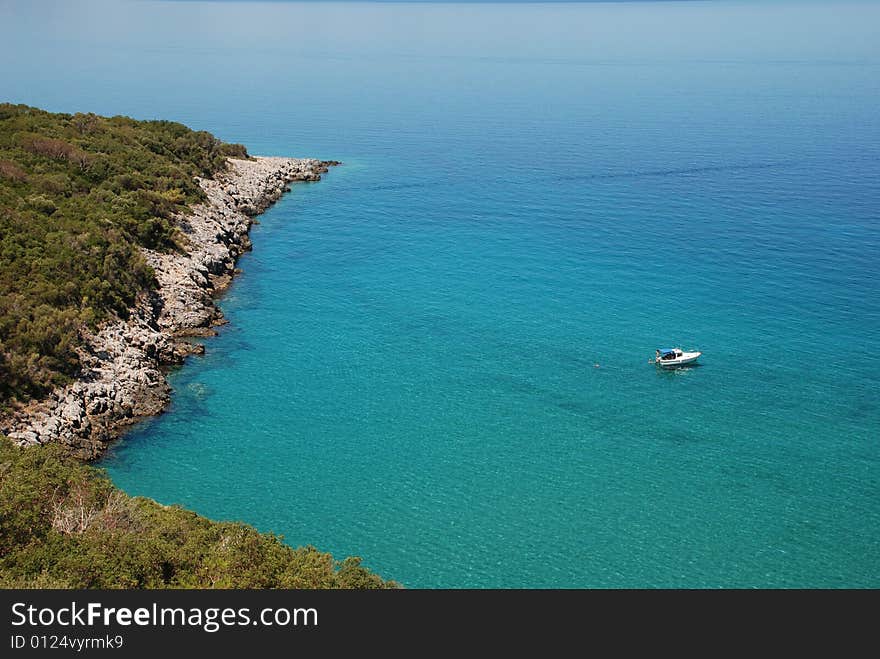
<point x="437" y="356"/>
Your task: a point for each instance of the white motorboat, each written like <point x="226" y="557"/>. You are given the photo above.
<point x="675" y="357"/>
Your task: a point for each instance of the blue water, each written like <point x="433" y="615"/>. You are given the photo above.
<point x="437" y="356"/>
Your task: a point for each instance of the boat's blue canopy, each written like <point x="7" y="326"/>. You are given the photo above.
<point x="666" y="351"/>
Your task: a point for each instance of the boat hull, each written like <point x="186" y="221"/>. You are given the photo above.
<point x="686" y="359"/>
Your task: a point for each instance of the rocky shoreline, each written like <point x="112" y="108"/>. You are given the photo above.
<point x="123" y="363"/>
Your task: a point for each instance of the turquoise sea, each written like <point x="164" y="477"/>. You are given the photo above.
<point x="437" y="357"/>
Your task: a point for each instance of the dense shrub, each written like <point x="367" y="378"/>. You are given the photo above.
<point x="79" y="194"/>
<point x="64" y="525"/>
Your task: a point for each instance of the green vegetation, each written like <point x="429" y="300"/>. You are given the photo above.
<point x="78" y="194"/>
<point x="64" y="525"/>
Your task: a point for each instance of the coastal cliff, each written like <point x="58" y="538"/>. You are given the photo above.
<point x="116" y="236"/>
<point x="121" y="378"/>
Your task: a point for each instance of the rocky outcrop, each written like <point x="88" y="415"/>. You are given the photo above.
<point x="122" y="378"/>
